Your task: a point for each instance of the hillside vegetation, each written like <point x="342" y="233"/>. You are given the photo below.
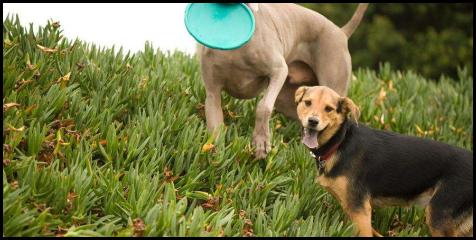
<point x="98" y="142"/>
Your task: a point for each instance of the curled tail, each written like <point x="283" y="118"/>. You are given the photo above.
<point x="350" y="27"/>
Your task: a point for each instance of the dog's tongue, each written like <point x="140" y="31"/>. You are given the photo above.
<point x="310" y="138"/>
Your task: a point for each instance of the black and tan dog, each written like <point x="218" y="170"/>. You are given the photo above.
<point x="365" y="168"/>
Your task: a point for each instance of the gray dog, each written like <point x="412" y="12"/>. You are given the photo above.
<point x="292" y="46"/>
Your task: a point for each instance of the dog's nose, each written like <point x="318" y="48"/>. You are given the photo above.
<point x="313" y="121"/>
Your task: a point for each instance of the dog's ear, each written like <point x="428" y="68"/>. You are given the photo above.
<point x="254" y="6"/>
<point x="299" y="94"/>
<point x="350" y="110"/>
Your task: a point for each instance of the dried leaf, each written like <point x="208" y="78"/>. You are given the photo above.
<point x="14" y="184"/>
<point x="212" y="203"/>
<point x="7" y="106"/>
<point x="242" y="214"/>
<point x="139" y="227"/>
<point x="64" y="79"/>
<point x="390" y="86"/>
<point x="248" y="222"/>
<point x="71" y="196"/>
<point x="11" y="128"/>
<point x="207" y="147"/>
<point x="418" y="129"/>
<point x="80" y="66"/>
<point x="40" y="206"/>
<point x="7" y="148"/>
<point x="67" y="123"/>
<point x="47" y="50"/>
<point x="7" y="43"/>
<point x="167" y="172"/>
<point x="20" y="85"/>
<point x="247" y="229"/>
<point x="30" y="66"/>
<point x="46" y="156"/>
<point x="31" y="108"/>
<point x="232" y="114"/>
<point x="143" y="83"/>
<point x="200" y="106"/>
<point x="56" y="24"/>
<point x="6" y="162"/>
<point x="381" y="96"/>
<point x="169" y="177"/>
<point x="74" y="133"/>
<point x="61" y="231"/>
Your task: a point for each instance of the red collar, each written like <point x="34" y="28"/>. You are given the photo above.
<point x="327" y="150"/>
<point x="322" y="157"/>
<point x="329" y="153"/>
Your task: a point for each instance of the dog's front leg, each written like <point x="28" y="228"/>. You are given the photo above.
<point x="261" y="138"/>
<point x="362" y="218"/>
<point x="213" y="87"/>
<point x="213" y="111"/>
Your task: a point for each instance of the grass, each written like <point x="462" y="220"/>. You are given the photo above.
<point x="98" y="142"/>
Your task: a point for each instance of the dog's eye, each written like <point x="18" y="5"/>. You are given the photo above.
<point x="328" y="109"/>
<point x="308" y="103"/>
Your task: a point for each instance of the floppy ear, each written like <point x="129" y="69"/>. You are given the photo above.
<point x="299" y="94"/>
<point x="254" y="6"/>
<point x="348" y="107"/>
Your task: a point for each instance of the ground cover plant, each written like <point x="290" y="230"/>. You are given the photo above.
<point x="98" y="142"/>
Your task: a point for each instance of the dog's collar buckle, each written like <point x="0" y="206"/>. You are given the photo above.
<point x="320" y="162"/>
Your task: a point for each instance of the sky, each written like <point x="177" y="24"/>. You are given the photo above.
<point x="105" y="24"/>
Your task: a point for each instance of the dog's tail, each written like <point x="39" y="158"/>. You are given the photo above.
<point x="350" y="27"/>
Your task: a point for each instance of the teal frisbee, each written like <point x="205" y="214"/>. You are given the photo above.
<point x="224" y="26"/>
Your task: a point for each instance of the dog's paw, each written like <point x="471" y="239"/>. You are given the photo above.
<point x="262" y="146"/>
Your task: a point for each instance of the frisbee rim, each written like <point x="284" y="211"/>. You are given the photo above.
<point x="250" y="34"/>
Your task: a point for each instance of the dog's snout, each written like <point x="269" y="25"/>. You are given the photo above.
<point x="313" y="121"/>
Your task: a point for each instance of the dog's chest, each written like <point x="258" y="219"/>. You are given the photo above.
<point x="336" y="186"/>
<point x="244" y="75"/>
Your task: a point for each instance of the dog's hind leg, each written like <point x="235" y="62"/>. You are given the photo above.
<point x="299" y="74"/>
<point x="261" y="138"/>
<point x="440" y="226"/>
<point x="450" y="211"/>
<point x="334" y="67"/>
<point x="285" y="102"/>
